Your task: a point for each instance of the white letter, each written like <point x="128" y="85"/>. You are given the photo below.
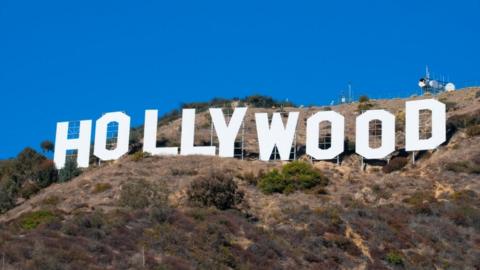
<point x="81" y="144"/>
<point x="188" y="134"/>
<point x="277" y="134"/>
<point x="412" y="124"/>
<point x="150" y="136"/>
<point x="227" y="134"/>
<point x="362" y="142"/>
<point x="337" y="135"/>
<point x="100" y="149"/>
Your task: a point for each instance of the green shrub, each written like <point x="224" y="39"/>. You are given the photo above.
<point x="26" y="164"/>
<point x="297" y="175"/>
<point x="473" y="131"/>
<point x="23" y="176"/>
<point x="217" y="189"/>
<point x="303" y="174"/>
<point x="31" y="220"/>
<point x="259" y="101"/>
<point x="139" y="194"/>
<point x="101" y="187"/>
<point x="363" y="99"/>
<point x="7" y="198"/>
<point x="69" y="171"/>
<point x="137" y="156"/>
<point x="275" y="182"/>
<point x="47" y="173"/>
<point x="395" y="164"/>
<point x="160" y="213"/>
<point x="364" y="104"/>
<point x="394" y="258"/>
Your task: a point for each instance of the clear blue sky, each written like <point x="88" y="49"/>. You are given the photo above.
<point x="71" y="60"/>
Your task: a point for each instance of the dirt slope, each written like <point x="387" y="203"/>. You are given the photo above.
<point x="424" y="216"/>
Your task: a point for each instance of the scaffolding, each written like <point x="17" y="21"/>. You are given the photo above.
<point x="425" y="124"/>
<point x="325" y="139"/>
<point x="112" y="136"/>
<point x="293" y="150"/>
<point x="239" y="143"/>
<point x="425" y="127"/>
<point x="375" y="133"/>
<point x="73" y="133"/>
<point x="374" y="138"/>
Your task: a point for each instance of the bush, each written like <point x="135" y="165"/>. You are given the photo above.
<point x="250" y="177"/>
<point x="394" y="258"/>
<point x="23" y="176"/>
<point x="364" y="107"/>
<point x="259" y="101"/>
<point x="69" y="171"/>
<point x="101" y="187"/>
<point x="473" y="131"/>
<point x="139" y="194"/>
<point x="28" y="189"/>
<point x="303" y="174"/>
<point x="47" y="173"/>
<point x="297" y="175"/>
<point x="137" y="156"/>
<point x="463" y="167"/>
<point x="465" y="215"/>
<point x="275" y="182"/>
<point x="395" y="164"/>
<point x="25" y="166"/>
<point x="217" y="189"/>
<point x="92" y="225"/>
<point x="464" y="120"/>
<point x="364" y="104"/>
<point x="51" y="200"/>
<point x="7" y="199"/>
<point x="420" y="202"/>
<point x="31" y="220"/>
<point x="47" y="146"/>
<point x="363" y="99"/>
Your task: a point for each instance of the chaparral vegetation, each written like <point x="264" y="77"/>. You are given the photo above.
<point x="203" y="212"/>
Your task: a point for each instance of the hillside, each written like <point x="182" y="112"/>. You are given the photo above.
<point x="138" y="212"/>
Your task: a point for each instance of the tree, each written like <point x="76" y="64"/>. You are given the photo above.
<point x="363" y="99"/>
<point x="7" y="195"/>
<point x="216" y="188"/>
<point x="26" y="164"/>
<point x="69" y="171"/>
<point x="47" y="173"/>
<point x="47" y="146"/>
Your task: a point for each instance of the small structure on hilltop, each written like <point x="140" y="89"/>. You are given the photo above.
<point x="346" y="96"/>
<point x="434" y="86"/>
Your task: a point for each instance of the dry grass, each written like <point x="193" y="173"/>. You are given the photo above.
<point x="362" y="218"/>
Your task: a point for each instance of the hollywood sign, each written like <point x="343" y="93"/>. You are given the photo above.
<point x="270" y="134"/>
